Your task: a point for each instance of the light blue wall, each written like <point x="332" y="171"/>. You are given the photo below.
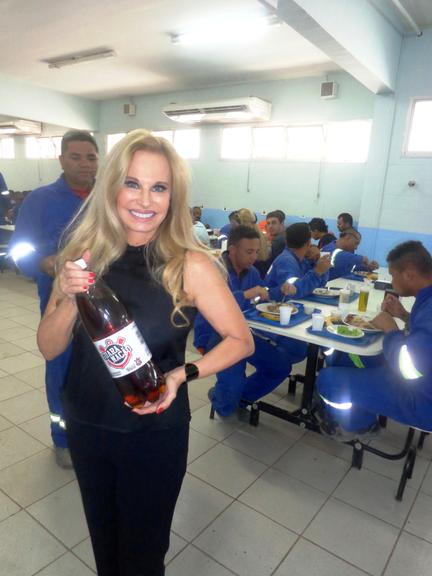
<point x="391" y="211"/>
<point x="23" y="100"/>
<point x="298" y="188"/>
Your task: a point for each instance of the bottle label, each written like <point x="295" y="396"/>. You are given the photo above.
<point x="124" y="351"/>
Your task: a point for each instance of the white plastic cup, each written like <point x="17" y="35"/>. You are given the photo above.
<point x="285" y="315"/>
<point x="308" y="309"/>
<point x="344" y="296"/>
<point x="317" y="322"/>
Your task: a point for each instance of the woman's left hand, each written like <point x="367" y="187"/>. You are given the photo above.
<point x="173" y="380"/>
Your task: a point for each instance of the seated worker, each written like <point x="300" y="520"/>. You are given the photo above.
<point x="299" y="265"/>
<point x="344" y="222"/>
<point x="270" y="359"/>
<point x="275" y="225"/>
<point x="233" y="222"/>
<point x="319" y="230"/>
<point x="343" y="259"/>
<point x="401" y="386"/>
<point x="199" y="229"/>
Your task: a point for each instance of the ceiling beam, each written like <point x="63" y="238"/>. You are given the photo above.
<point x="353" y="34"/>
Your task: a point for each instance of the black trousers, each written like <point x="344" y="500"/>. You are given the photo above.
<point x="129" y="486"/>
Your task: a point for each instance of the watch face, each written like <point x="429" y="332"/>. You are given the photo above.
<point x="192" y="372"/>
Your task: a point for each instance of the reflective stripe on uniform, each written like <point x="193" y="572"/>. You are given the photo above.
<point x="338" y="405"/>
<point x="56" y="419"/>
<point x="406" y="365"/>
<point x="333" y="256"/>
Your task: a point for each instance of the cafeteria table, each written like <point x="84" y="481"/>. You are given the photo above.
<point x="304" y="416"/>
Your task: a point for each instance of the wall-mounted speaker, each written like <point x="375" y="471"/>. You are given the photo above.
<point x="129" y="109"/>
<point x="329" y="90"/>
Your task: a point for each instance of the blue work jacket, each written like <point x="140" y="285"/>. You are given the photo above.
<point x="344" y="262"/>
<point x="287" y="267"/>
<point x="238" y="284"/>
<point x="42" y="219"/>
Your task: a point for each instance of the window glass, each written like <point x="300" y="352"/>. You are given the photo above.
<point x="7" y="148"/>
<point x="305" y="143"/>
<point x="269" y="142"/>
<point x="187" y="143"/>
<point x="420" y="130"/>
<point x="112" y="139"/>
<point x="236" y="143"/>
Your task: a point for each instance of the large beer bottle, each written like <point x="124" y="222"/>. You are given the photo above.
<point x="119" y="343"/>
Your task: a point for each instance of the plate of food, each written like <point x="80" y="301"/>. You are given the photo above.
<point x="365" y="323"/>
<point x="272" y="309"/>
<point x="366" y="274"/>
<point x="327" y="292"/>
<point x="345" y="331"/>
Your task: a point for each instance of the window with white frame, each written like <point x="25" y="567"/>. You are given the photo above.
<point x="187" y="143"/>
<point x="7" y="148"/>
<point x="305" y="143"/>
<point x="269" y="142"/>
<point x="112" y="139"/>
<point x="419" y="140"/>
<point x="236" y="143"/>
<point x="347" y="142"/>
<point x="46" y="147"/>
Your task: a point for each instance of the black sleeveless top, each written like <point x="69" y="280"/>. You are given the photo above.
<point x="90" y="395"/>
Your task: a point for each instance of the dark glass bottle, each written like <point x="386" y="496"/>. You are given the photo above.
<point x="120" y="344"/>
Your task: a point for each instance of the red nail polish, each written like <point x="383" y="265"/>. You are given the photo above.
<point x="85" y="287"/>
<point x="91" y="281"/>
<point x="92" y="275"/>
<point x="160" y="410"/>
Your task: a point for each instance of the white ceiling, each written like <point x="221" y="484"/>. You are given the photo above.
<point x="147" y="62"/>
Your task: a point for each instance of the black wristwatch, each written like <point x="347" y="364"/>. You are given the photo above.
<point x="192" y="372"/>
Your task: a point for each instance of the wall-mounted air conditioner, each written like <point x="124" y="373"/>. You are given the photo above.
<point x="249" y="109"/>
<point x="21" y="127"/>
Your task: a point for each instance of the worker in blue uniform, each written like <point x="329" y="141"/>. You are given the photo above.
<point x="43" y="217"/>
<point x="299" y="265"/>
<point x="401" y="386"/>
<point x="343" y="258"/>
<point x="270" y="359"/>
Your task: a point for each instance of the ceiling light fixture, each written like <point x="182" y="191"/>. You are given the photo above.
<point x="222" y="32"/>
<point x="79" y="57"/>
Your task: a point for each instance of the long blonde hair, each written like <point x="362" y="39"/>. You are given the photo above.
<point x="97" y="225"/>
<point x="247" y="218"/>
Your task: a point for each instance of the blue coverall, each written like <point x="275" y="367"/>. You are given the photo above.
<point x="344" y="261"/>
<point x="400" y="387"/>
<point x="271" y="360"/>
<point x="44" y="215"/>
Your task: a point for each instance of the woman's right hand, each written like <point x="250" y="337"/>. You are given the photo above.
<point x="72" y="279"/>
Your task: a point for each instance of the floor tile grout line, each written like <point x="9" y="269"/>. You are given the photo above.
<point x="402" y="530"/>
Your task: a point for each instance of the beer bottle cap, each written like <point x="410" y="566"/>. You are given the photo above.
<point x="81" y="263"/>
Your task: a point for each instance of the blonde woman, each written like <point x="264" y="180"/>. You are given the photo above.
<point x="136" y="231"/>
<point x="248" y="218"/>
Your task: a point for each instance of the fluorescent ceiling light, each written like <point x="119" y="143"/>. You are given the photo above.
<point x="225" y="32"/>
<point x="79" y="57"/>
<point x="5" y="193"/>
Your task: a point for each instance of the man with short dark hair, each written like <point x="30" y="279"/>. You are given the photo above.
<point x="343" y="259"/>
<point x="298" y="265"/>
<point x="44" y="215"/>
<point x="275" y="226"/>
<point x="400" y="387"/>
<point x="344" y="221"/>
<point x="270" y="360"/>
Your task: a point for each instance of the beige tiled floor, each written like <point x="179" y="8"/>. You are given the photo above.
<point x="266" y="501"/>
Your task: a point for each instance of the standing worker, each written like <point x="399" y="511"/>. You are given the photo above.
<point x="43" y="217"/>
